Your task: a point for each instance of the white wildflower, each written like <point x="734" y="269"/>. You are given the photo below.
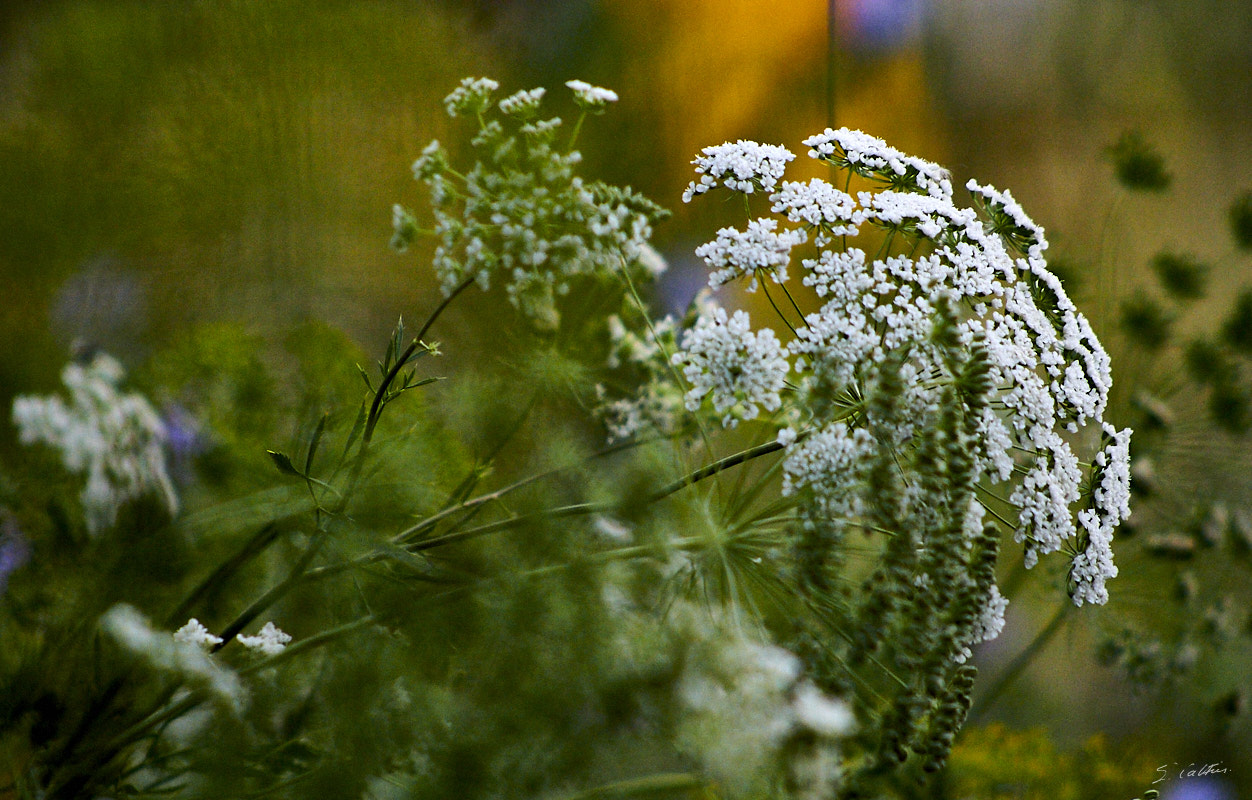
<point x="269" y="641"/>
<point x="987" y="625"/>
<point x="759" y="249"/>
<point x="471" y="97"/>
<point x="870" y="156"/>
<point x="433" y="161"/>
<point x="820" y="714"/>
<point x="744" y="166"/>
<point x="832" y="212"/>
<point x="116" y="439"/>
<point x="522" y="104"/>
<point x="741" y="369"/>
<point x="1110" y="506"/>
<point x="195" y="633"/>
<point x="523" y="218"/>
<point x="591" y="96"/>
<point x="832" y="463"/>
<point x="652" y="261"/>
<point x="742" y="704"/>
<point x="128" y="627"/>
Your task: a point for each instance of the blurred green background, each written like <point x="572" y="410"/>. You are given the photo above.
<point x="169" y="164"/>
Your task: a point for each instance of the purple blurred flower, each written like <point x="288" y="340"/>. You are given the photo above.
<point x="14" y="548"/>
<point x="878" y="26"/>
<point x="185" y="439"/>
<point x="1205" y="788"/>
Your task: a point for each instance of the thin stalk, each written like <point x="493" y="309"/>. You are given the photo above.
<point x="664" y="784"/>
<point x="832" y="42"/>
<point x="434" y="519"/>
<point x="253" y="548"/>
<point x="310" y="643"/>
<point x="669" y="363"/>
<point x="574" y="510"/>
<point x="1022" y="661"/>
<point x="794" y="305"/>
<point x="379" y="396"/>
<point x="778" y="310"/>
<point x="573" y="137"/>
<point x="716" y="467"/>
<point x="273" y="595"/>
<point x="579" y="509"/>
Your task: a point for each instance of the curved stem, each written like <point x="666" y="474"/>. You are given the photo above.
<point x="574" y="510"/>
<point x="669" y="360"/>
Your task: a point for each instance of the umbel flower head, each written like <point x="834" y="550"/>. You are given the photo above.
<point x="521" y="216"/>
<point x="985" y="348"/>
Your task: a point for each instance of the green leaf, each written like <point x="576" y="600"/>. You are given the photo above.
<point x="314" y="442"/>
<point x="283" y="462"/>
<point x="357" y="427"/>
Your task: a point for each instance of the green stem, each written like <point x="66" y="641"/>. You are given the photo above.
<point x="777" y="310"/>
<point x="794" y="305"/>
<point x="577" y="509"/>
<point x="669" y="360"/>
<point x="580" y="509"/>
<point x="1022" y="661"/>
<point x="253" y="548"/>
<point x="832" y="36"/>
<point x="375" y="412"/>
<point x="273" y="595"/>
<point x="716" y="467"/>
<point x="664" y="784"/>
<point x="310" y="643"/>
<point x="434" y="519"/>
<point x="573" y="137"/>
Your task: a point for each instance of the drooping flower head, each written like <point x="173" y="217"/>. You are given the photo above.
<point x="960" y="301"/>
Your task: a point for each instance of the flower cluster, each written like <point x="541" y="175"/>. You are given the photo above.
<point x="946" y="363"/>
<point x="591" y="97"/>
<point x="758" y="250"/>
<point x="117" y="439"/>
<point x="742" y="167"/>
<point x="1045" y="373"/>
<point x="747" y="712"/>
<point x="741" y="369"/>
<point x="473" y="96"/>
<point x="195" y="633"/>
<point x="871" y="157"/>
<point x="269" y="641"/>
<point x="654" y="402"/>
<point x="181" y="653"/>
<point x="521" y="215"/>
